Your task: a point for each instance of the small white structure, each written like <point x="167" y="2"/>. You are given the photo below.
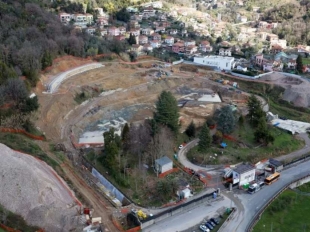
<point x="291" y="125"/>
<point x="163" y="164"/>
<point x="243" y="174"/>
<point x="210" y="98"/>
<point x="220" y="62"/>
<point x="185" y="193"/>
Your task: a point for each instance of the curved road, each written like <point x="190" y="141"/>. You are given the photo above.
<point x="248" y="205"/>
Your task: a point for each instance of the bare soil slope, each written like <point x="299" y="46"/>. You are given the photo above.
<point x="31" y="188"/>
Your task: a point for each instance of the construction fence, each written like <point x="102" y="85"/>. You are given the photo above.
<point x="23" y="132"/>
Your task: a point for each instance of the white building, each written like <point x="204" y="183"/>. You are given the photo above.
<point x="243" y="174"/>
<point x="163" y="164"/>
<point x="220" y="62"/>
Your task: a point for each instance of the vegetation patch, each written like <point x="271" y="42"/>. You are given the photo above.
<point x="289" y="212"/>
<point x="246" y="149"/>
<point x="15" y="221"/>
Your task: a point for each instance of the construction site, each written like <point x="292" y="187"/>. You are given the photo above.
<point x="112" y="94"/>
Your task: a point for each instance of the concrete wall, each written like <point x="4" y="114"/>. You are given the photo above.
<point x="173" y="212"/>
<point x="177" y="62"/>
<point x="300" y="182"/>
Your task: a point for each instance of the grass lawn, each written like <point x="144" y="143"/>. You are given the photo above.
<point x="246" y="149"/>
<point x="289" y="212"/>
<point x="305" y="61"/>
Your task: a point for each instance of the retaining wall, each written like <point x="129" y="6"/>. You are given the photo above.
<point x="176" y="210"/>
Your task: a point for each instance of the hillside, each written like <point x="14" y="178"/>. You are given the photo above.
<point x="32" y="189"/>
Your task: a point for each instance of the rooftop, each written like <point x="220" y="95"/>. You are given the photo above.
<point x="242" y="168"/>
<point x="275" y="163"/>
<point x="163" y="160"/>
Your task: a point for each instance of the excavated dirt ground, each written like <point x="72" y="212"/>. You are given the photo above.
<point x="296" y="89"/>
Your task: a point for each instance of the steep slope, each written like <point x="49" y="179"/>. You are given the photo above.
<point x="31" y="188"/>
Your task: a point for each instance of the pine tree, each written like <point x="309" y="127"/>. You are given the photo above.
<point x="167" y="111"/>
<point x="132" y="39"/>
<point x="225" y="119"/>
<point x="111" y="149"/>
<point x="262" y="134"/>
<point x="204" y="139"/>
<point x="191" y="130"/>
<point x="255" y="110"/>
<point x="299" y="64"/>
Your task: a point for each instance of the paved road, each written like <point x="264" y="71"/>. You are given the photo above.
<point x="247" y="204"/>
<point x="192" y="217"/>
<point x="253" y="203"/>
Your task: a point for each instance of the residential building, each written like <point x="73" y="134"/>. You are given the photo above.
<point x="169" y="40"/>
<point x="134" y="24"/>
<point x="120" y="37"/>
<point x="147" y="31"/>
<point x="160" y="29"/>
<point x="65" y="17"/>
<point x="135" y="32"/>
<point x="220" y="62"/>
<point x="178" y="47"/>
<point x="104" y="31"/>
<point x="205" y="46"/>
<point x="143" y="39"/>
<point x="155" y="43"/>
<point x="172" y="31"/>
<point x="191" y="49"/>
<point x="91" y="30"/>
<point x="102" y="21"/>
<point x="122" y="30"/>
<point x="149" y="11"/>
<point x="114" y="31"/>
<point x="147" y="48"/>
<point x="225" y="51"/>
<point x="99" y="11"/>
<point x="156" y="36"/>
<point x="136" y="48"/>
<point x="89" y="18"/>
<point x="189" y="43"/>
<point x="272" y="37"/>
<point x="275" y="48"/>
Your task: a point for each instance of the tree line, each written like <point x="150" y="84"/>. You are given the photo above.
<point x="31" y="37"/>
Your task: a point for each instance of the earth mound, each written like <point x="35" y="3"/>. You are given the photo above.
<point x="32" y="189"/>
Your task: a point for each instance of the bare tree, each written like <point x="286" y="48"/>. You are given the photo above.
<point x="161" y="145"/>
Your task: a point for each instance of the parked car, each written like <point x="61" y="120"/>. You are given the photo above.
<point x="209" y="226"/>
<point x="181" y="146"/>
<point x="204" y="228"/>
<point x="212" y="223"/>
<point x="215" y="220"/>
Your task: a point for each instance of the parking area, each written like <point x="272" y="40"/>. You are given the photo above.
<point x="215" y="219"/>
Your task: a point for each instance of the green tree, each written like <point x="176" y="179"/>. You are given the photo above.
<point x="125" y="132"/>
<point x="299" y="64"/>
<point x="167" y="111"/>
<point x="255" y="110"/>
<point x="262" y="134"/>
<point x="225" y="119"/>
<point x="111" y="150"/>
<point x="123" y="15"/>
<point x="204" y="139"/>
<point x="191" y="130"/>
<point x="132" y="39"/>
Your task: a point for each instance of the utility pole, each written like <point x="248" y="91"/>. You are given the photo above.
<point x="271" y="226"/>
